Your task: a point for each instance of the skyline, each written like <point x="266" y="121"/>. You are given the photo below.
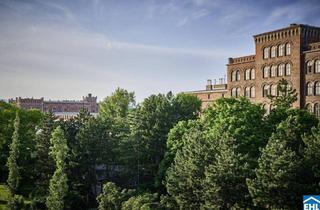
<point x="143" y="46"/>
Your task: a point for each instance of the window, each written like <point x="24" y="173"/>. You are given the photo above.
<point x="234" y="92"/>
<point x="309" y="89"/>
<point x="253" y="73"/>
<point x="281" y="50"/>
<point x="289" y="87"/>
<point x="273" y="51"/>
<point x="281" y="70"/>
<point x="288" y="49"/>
<point x="317" y="88"/>
<point x="266" y="90"/>
<point x="288" y="69"/>
<point x="273" y="90"/>
<point x="247" y="74"/>
<point x="309" y="108"/>
<point x="247" y="92"/>
<point x="253" y="92"/>
<point x="238" y="76"/>
<point x="317" y="67"/>
<point x="273" y="71"/>
<point x="317" y="110"/>
<point x="266" y="70"/>
<point x="234" y="76"/>
<point x="309" y="67"/>
<point x="266" y="52"/>
<point x="208" y="96"/>
<point x="238" y="92"/>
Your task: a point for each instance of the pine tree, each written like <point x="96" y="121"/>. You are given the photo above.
<point x="281" y="177"/>
<point x="44" y="165"/>
<point x="58" y="184"/>
<point x="184" y="179"/>
<point x="12" y="163"/>
<point x="225" y="178"/>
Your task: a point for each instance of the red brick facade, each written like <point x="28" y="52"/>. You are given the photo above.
<point x="292" y="53"/>
<point x="64" y="109"/>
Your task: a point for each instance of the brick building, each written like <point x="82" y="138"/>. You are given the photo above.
<point x="63" y="109"/>
<point x="292" y="53"/>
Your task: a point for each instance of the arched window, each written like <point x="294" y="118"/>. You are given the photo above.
<point x="253" y="92"/>
<point x="247" y="92"/>
<point x="281" y="69"/>
<point x="273" y="90"/>
<point x="238" y="92"/>
<point x="309" y="67"/>
<point x="289" y="86"/>
<point x="288" y="49"/>
<point x="234" y="76"/>
<point x="273" y="71"/>
<point x="288" y="69"/>
<point x="266" y="71"/>
<point x="266" y="52"/>
<point x="317" y="110"/>
<point x="317" y="67"/>
<point x="281" y="50"/>
<point x="309" y="89"/>
<point x="238" y="76"/>
<point x="266" y="90"/>
<point x="253" y="73"/>
<point x="273" y="51"/>
<point x="234" y="92"/>
<point x="247" y="74"/>
<point x="309" y="108"/>
<point x="317" y="88"/>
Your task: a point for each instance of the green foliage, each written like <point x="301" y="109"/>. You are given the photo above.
<point x="14" y="176"/>
<point x="5" y="196"/>
<point x="278" y="183"/>
<point x="17" y="203"/>
<point x="116" y="106"/>
<point x="44" y="164"/>
<point x="225" y="178"/>
<point x="184" y="178"/>
<point x="58" y="184"/>
<point x="286" y="95"/>
<point x="146" y="201"/>
<point x="240" y="120"/>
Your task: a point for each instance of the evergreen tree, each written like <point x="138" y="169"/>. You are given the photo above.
<point x="58" y="184"/>
<point x="225" y="178"/>
<point x="184" y="178"/>
<point x="281" y="177"/>
<point x="12" y="163"/>
<point x="44" y="165"/>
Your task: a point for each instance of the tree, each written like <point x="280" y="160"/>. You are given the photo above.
<point x="95" y="149"/>
<point x="14" y="176"/>
<point x="150" y="125"/>
<point x="58" y="184"/>
<point x="174" y="144"/>
<point x="145" y="201"/>
<point x="44" y="165"/>
<point x="225" y="178"/>
<point x="281" y="177"/>
<point x="184" y="178"/>
<point x="286" y="95"/>
<point x="186" y="107"/>
<point x="116" y="106"/>
<point x="112" y="197"/>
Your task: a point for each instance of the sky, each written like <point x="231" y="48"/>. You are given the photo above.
<point x="65" y="49"/>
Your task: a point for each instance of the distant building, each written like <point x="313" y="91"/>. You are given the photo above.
<point x="292" y="53"/>
<point x="64" y="109"/>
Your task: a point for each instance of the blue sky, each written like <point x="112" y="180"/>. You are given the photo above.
<point x="65" y="49"/>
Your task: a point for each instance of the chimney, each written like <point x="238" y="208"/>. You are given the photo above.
<point x="209" y="84"/>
